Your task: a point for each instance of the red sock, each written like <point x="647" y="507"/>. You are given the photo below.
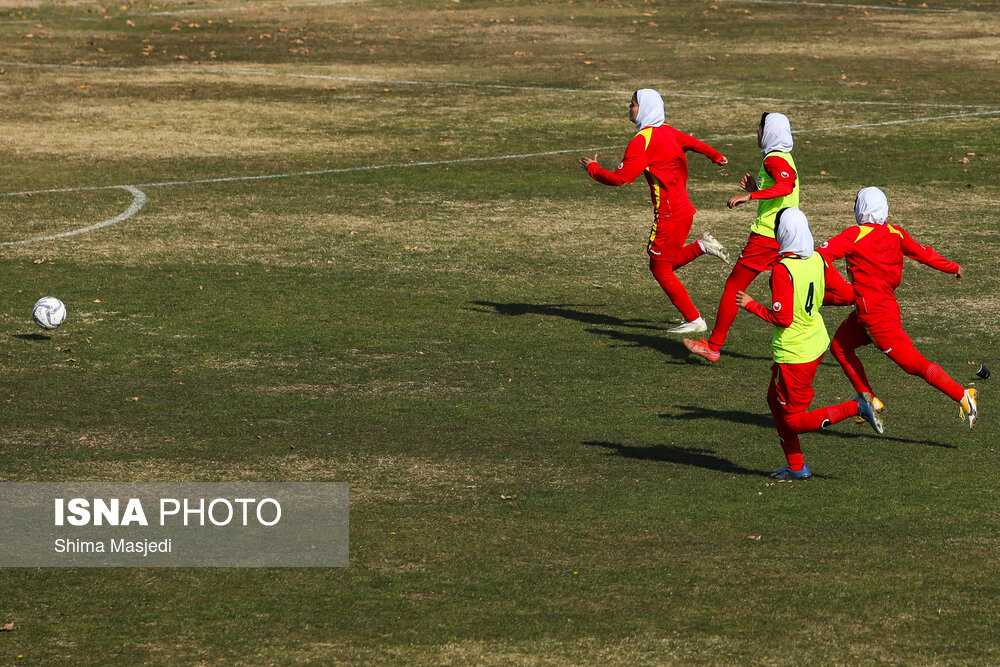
<point x="936" y="377"/>
<point x="804" y="422"/>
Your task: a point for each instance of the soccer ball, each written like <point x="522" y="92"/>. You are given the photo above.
<point x="49" y="312"/>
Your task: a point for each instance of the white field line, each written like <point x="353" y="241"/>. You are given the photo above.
<point x="469" y="160"/>
<point x="139" y="197"/>
<point x="181" y="12"/>
<point x="138" y="201"/>
<point x="482" y="86"/>
<point x="843" y="5"/>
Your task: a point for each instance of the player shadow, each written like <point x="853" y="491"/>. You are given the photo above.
<point x="764" y="420"/>
<point x="670" y="346"/>
<point x="564" y="310"/>
<point x="32" y="336"/>
<point x="685" y="456"/>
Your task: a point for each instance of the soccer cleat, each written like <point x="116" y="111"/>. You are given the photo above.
<point x="713" y="247"/>
<point x="702" y="349"/>
<point x="787" y="474"/>
<point x="879" y="407"/>
<point x="866" y="410"/>
<point x="693" y="326"/>
<point x="968" y="410"/>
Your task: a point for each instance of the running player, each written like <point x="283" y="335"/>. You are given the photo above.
<point x="874" y="252"/>
<point x="657" y="151"/>
<point x="776" y="188"/>
<point x="798" y="287"/>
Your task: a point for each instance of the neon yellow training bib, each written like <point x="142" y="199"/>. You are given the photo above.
<point x="767" y="209"/>
<point x="806" y="339"/>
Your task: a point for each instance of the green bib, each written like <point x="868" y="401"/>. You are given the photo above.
<point x="806" y="339"/>
<point x="767" y="209"/>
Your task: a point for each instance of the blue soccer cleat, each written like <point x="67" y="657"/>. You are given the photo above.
<point x="866" y="410"/>
<point x="787" y="474"/>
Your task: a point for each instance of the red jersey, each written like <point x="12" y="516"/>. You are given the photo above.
<point x="658" y="152"/>
<point x="875" y="258"/>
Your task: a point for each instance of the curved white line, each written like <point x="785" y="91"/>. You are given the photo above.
<point x="139" y="200"/>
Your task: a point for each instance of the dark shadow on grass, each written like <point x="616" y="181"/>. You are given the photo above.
<point x="32" y="336"/>
<point x="764" y="420"/>
<point x="671" y="346"/>
<point x="564" y="310"/>
<point x="685" y="456"/>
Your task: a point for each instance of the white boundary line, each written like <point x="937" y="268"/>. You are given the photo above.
<point x="139" y="198"/>
<point x="469" y="160"/>
<point x="180" y="12"/>
<point x="480" y="86"/>
<point x="138" y="201"/>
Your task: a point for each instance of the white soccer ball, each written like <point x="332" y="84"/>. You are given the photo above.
<point x="49" y="312"/>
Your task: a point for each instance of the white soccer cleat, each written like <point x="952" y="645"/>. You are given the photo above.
<point x="694" y="326"/>
<point x="713" y="247"/>
<point x="968" y="410"/>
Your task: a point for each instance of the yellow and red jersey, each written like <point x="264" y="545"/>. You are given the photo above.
<point x="874" y="254"/>
<point x="658" y="152"/>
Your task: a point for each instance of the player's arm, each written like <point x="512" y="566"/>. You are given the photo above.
<point x="927" y="255"/>
<point x="838" y="292"/>
<point x="839" y="246"/>
<point x="784" y="179"/>
<point x="784" y="182"/>
<point x="689" y="143"/>
<point x="780" y="314"/>
<point x="633" y="164"/>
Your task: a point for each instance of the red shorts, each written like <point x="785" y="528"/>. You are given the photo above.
<point x="791" y="385"/>
<point x="759" y="253"/>
<point x="667" y="237"/>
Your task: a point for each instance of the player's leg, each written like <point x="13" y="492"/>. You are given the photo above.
<point x="705" y="245"/>
<point x="739" y="279"/>
<point x="891" y="339"/>
<point x="850" y="336"/>
<point x="664" y="245"/>
<point x="789" y="440"/>
<point x="889" y="336"/>
<point x="798" y="380"/>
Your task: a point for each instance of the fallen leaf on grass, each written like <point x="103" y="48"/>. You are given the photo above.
<point x="503" y="497"/>
<point x="7" y="627"/>
<point x="132" y="399"/>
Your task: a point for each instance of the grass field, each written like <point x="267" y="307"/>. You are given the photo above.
<point x="368" y="255"/>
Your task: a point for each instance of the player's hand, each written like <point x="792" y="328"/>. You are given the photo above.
<point x="958" y="276"/>
<point x="723" y="162"/>
<point x="736" y="200"/>
<point x="585" y="161"/>
<point x="748" y="183"/>
<point x="742" y="299"/>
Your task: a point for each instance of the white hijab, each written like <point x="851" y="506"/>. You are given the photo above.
<point x="871" y="206"/>
<point x="793" y="233"/>
<point x="777" y="134"/>
<point x="650" y="112"/>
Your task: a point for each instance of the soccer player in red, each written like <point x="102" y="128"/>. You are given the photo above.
<point x="800" y="340"/>
<point x="776" y="188"/>
<point x="874" y="252"/>
<point x="657" y="152"/>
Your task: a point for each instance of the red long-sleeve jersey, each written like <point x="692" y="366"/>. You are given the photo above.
<point x="658" y="152"/>
<point x="875" y="258"/>
<point x="783" y="175"/>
